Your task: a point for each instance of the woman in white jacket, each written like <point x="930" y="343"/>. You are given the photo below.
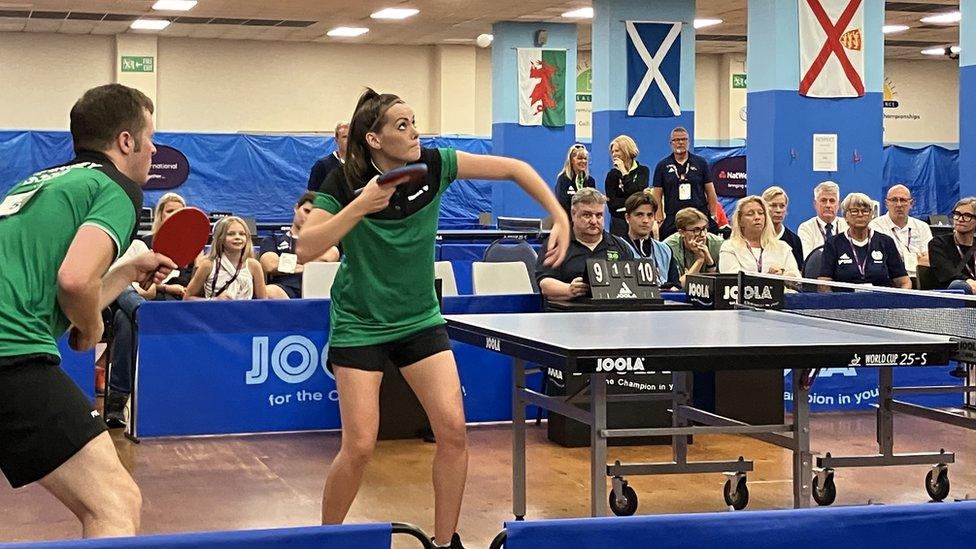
<point x="753" y="247"/>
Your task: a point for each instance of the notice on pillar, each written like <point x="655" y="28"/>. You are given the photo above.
<point x="825" y="152"/>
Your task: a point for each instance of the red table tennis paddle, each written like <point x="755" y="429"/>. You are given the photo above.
<point x="181" y="238"/>
<point x="414" y="173"/>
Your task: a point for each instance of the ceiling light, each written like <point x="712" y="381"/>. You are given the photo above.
<point x="484" y="40"/>
<point x="941" y="50"/>
<point x="943" y="18"/>
<point x="395" y="13"/>
<point x="149" y="24"/>
<point x="582" y="13"/>
<point x="174" y="5"/>
<point x="347" y="32"/>
<point x="702" y="23"/>
<point x="888" y="29"/>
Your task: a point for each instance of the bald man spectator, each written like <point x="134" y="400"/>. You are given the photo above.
<point x="324" y="166"/>
<point x="818" y="229"/>
<point x="911" y="235"/>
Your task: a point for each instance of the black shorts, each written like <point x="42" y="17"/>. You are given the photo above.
<point x="44" y="418"/>
<point x="402" y="352"/>
<point x="291" y="291"/>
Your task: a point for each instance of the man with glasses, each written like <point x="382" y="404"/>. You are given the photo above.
<point x="695" y="250"/>
<point x="953" y="256"/>
<point x="683" y="180"/>
<point x="911" y="235"/>
<point x="589" y="241"/>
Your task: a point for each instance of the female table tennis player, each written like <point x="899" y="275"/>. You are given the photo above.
<point x="383" y="302"/>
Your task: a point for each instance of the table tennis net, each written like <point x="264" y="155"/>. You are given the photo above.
<point x="932" y="312"/>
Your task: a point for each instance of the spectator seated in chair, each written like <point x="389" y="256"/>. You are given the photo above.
<point x="230" y="270"/>
<point x="778" y="201"/>
<point x="641" y="215"/>
<point x="911" y="235"/>
<point x="125" y="309"/>
<point x="754" y="247"/>
<point x="952" y="256"/>
<point x="861" y="255"/>
<point x="588" y="241"/>
<point x="695" y="250"/>
<point x="278" y="257"/>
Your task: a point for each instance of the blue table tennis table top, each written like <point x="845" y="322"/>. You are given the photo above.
<point x="619" y="342"/>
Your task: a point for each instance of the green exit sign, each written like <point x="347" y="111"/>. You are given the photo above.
<point x="738" y="81"/>
<point x="138" y="63"/>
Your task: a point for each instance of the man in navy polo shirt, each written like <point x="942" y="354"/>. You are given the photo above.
<point x="682" y="180"/>
<point x="324" y="166"/>
<point x="589" y="241"/>
<point x="278" y="258"/>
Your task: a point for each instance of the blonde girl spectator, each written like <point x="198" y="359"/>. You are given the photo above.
<point x="230" y="270"/>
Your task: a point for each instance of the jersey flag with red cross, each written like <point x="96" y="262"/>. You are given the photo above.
<point x="831" y="48"/>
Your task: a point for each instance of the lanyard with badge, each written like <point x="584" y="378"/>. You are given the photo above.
<point x="758" y="260"/>
<point x="898" y="238"/>
<point x="970" y="263"/>
<point x="861" y="265"/>
<point x="684" y="187"/>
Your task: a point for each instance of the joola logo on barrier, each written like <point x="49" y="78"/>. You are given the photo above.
<point x="748" y="293"/>
<point x="263" y="361"/>
<point x="493" y="343"/>
<point x="620" y="364"/>
<point x="698" y="290"/>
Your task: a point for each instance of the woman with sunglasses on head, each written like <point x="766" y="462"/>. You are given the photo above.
<point x="384" y="307"/>
<point x="574" y="177"/>
<point x="952" y="257"/>
<point x="625" y="178"/>
<point x="861" y="255"/>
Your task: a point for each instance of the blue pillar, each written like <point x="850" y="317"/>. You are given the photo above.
<point x="609" y="62"/>
<point x="781" y="122"/>
<point x="542" y="147"/>
<point x="967" y="101"/>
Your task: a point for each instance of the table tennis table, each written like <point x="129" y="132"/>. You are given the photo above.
<point x="602" y="345"/>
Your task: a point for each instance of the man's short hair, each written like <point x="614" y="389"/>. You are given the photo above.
<point x="340" y="125"/>
<point x="679" y="129"/>
<point x="307" y="197"/>
<point x="826" y="186"/>
<point x="686" y="217"/>
<point x="638" y="199"/>
<point x="105" y="112"/>
<point x="588" y="195"/>
<point x="769" y="194"/>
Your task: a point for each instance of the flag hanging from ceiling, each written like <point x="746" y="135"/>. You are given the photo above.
<point x="542" y="87"/>
<point x="831" y="48"/>
<point x="653" y="68"/>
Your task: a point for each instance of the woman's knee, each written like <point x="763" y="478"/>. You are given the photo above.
<point x="358" y="448"/>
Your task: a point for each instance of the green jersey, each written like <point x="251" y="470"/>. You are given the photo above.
<point x="384" y="289"/>
<point x="38" y="221"/>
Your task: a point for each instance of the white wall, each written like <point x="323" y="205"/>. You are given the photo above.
<point x="253" y="86"/>
<point x="42" y="75"/>
<point x="927" y="93"/>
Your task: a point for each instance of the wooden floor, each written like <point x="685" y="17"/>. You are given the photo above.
<point x="228" y="483"/>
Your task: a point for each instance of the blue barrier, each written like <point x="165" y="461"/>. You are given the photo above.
<point x="210" y="367"/>
<point x="258" y="366"/>
<point x="366" y="536"/>
<point x="80" y="367"/>
<point x="877" y="526"/>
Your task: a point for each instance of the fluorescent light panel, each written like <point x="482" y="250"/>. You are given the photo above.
<point x="581" y="13"/>
<point x="348" y="32"/>
<point x="395" y="13"/>
<point x="943" y="18"/>
<point x="149" y="24"/>
<point x="940" y="50"/>
<point x="174" y="5"/>
<point x="888" y="29"/>
<point x="702" y="23"/>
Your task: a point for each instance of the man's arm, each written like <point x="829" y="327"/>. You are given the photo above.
<point x="269" y="262"/>
<point x="559" y="290"/>
<point x="712" y="198"/>
<point x="658" y="193"/>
